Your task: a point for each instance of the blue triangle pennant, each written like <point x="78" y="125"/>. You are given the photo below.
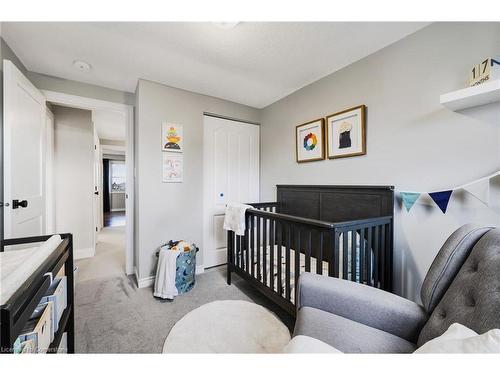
<point x="441" y="198"/>
<point x="409" y="199"/>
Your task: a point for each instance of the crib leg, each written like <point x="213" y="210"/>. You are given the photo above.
<point x="228" y="274"/>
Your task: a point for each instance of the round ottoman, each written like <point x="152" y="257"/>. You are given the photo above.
<point x="228" y="327"/>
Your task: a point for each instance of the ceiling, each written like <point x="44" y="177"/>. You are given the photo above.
<point x="110" y="124"/>
<point x="254" y="63"/>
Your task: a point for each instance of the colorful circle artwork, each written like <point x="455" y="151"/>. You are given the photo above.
<point x="310" y="142"/>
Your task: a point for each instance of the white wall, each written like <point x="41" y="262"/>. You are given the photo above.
<point x="171" y="211"/>
<point x="412" y="141"/>
<point x="74" y="157"/>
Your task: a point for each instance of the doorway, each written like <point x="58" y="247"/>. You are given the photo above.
<point x="113" y="143"/>
<point x="231" y="174"/>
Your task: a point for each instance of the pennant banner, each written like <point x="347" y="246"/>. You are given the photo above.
<point x="479" y="188"/>
<point x="441" y="198"/>
<point x="409" y="199"/>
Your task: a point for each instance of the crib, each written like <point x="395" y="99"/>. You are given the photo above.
<point x="339" y="231"/>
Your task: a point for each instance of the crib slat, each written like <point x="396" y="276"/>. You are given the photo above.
<point x="297" y="263"/>
<point x="319" y="255"/>
<point x="376" y="251"/>
<point x="382" y="257"/>
<point x="238" y="250"/>
<point x="368" y="253"/>
<point x="272" y="242"/>
<point x="258" y="234"/>
<point x="246" y="244"/>
<point x="388" y="258"/>
<point x="264" y="256"/>
<point x="362" y="262"/>
<point x="334" y="266"/>
<point x="287" y="262"/>
<point x="345" y="256"/>
<point x="261" y="249"/>
<point x="353" y="255"/>
<point x="279" y="260"/>
<point x="308" y="251"/>
<point x="252" y="243"/>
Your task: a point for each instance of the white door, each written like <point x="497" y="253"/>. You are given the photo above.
<point x="24" y="148"/>
<point x="231" y="174"/>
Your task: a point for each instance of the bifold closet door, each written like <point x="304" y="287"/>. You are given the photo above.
<point x="231" y="174"/>
<point x="24" y="155"/>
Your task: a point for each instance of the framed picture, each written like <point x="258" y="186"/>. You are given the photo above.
<point x="172" y="167"/>
<point x="310" y="141"/>
<point x="172" y="137"/>
<point x="346" y="133"/>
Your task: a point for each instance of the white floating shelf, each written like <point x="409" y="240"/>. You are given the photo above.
<point x="485" y="93"/>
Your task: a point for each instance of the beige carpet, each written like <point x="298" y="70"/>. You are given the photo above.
<point x="228" y="327"/>
<point x="113" y="316"/>
<point x="109" y="259"/>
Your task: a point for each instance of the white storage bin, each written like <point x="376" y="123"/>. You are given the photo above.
<point x="58" y="295"/>
<point x="38" y="329"/>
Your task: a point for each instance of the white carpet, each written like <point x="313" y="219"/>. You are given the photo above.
<point x="228" y="327"/>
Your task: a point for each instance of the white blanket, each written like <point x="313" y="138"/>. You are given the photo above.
<point x="235" y="218"/>
<point x="17" y="265"/>
<point x="165" y="274"/>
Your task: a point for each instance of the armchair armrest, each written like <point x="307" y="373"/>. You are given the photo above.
<point x="364" y="304"/>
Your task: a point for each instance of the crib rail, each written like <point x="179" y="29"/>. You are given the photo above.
<point x="276" y="248"/>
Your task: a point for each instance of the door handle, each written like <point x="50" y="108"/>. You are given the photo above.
<point x="17" y="203"/>
<point x="96" y="192"/>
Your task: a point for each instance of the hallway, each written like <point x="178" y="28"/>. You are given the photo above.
<point x="109" y="259"/>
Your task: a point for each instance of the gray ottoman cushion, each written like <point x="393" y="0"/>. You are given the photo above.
<point x="447" y="263"/>
<point x="473" y="298"/>
<point x="346" y="335"/>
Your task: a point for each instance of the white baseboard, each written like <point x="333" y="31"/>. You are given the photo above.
<point x="117" y="210"/>
<point x="150" y="280"/>
<point x="83" y="253"/>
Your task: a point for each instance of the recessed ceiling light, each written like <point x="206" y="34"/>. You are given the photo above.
<point x="82" y="66"/>
<point x="226" y="25"/>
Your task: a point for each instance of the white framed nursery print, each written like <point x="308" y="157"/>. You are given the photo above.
<point x="309" y="141"/>
<point x="172" y="137"/>
<point x="172" y="167"/>
<point x="346" y="133"/>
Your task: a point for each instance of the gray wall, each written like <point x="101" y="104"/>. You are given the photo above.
<point x="171" y="211"/>
<point x="73" y="168"/>
<point x="412" y="141"/>
<point x="45" y="82"/>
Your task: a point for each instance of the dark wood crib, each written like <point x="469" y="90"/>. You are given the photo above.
<point x="339" y="231"/>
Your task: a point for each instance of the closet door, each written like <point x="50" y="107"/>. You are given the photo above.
<point x="231" y="174"/>
<point x="24" y="155"/>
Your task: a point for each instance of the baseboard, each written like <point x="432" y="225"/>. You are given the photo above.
<point x="83" y="253"/>
<point x="117" y="210"/>
<point x="150" y="280"/>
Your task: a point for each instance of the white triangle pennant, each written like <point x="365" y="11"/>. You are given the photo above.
<point x="480" y="189"/>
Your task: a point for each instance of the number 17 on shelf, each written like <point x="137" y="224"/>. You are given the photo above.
<point x="486" y="70"/>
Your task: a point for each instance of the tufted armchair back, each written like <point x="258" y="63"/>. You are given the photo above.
<point x="463" y="283"/>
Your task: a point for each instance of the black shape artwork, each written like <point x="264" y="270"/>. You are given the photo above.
<point x="345" y="139"/>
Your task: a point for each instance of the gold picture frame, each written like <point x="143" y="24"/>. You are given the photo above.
<point x="310" y="141"/>
<point x="346" y="133"/>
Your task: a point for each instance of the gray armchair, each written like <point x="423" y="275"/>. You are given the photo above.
<point x="462" y="285"/>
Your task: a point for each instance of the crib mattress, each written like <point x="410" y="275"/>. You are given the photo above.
<point x="16" y="266"/>
<point x="302" y="268"/>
